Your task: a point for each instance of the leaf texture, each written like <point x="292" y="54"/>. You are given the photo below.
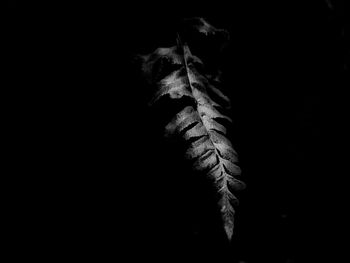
<point x="176" y="73"/>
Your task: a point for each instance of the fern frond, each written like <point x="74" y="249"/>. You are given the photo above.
<point x="201" y="123"/>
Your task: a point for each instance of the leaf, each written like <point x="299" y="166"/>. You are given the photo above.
<point x="176" y="73"/>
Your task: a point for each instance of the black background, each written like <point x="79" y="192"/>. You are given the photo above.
<point x="105" y="186"/>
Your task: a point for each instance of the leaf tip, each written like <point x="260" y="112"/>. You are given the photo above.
<point x="229" y="230"/>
